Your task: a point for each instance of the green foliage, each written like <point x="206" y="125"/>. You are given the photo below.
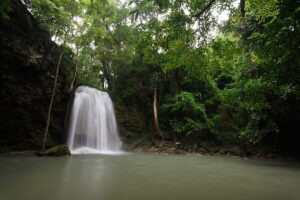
<point x="263" y="9"/>
<point x="53" y="15"/>
<point x="5" y="8"/>
<point x="241" y="86"/>
<point x="187" y="115"/>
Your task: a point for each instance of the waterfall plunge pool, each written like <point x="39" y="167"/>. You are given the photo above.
<point x="142" y="176"/>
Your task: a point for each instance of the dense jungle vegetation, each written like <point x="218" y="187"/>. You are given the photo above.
<point x="179" y="71"/>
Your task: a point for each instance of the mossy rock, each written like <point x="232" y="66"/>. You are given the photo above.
<point x="60" y="150"/>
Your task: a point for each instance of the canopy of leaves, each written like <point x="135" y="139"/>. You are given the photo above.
<point x="239" y="84"/>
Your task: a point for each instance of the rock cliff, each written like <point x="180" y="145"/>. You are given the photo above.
<point x="28" y="60"/>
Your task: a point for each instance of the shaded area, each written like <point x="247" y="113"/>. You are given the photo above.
<point x="27" y="70"/>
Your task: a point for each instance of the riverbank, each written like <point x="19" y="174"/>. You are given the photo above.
<point x="169" y="148"/>
<point x="206" y="149"/>
<point x="29" y="152"/>
<point x="154" y="150"/>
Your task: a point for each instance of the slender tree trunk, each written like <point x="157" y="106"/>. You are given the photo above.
<point x="107" y="76"/>
<point x="67" y="115"/>
<point x="176" y="81"/>
<point x="156" y="121"/>
<point x="113" y="84"/>
<point x="51" y="101"/>
<point x="75" y="73"/>
<point x="242" y="7"/>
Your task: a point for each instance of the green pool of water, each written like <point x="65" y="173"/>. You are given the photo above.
<point x="147" y="177"/>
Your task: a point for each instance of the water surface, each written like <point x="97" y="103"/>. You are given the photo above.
<point x="146" y="177"/>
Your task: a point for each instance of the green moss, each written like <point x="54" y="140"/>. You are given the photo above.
<point x="60" y="150"/>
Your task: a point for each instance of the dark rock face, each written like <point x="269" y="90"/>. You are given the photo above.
<point x="28" y="59"/>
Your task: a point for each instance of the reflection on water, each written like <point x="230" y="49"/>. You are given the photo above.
<point x="146" y="177"/>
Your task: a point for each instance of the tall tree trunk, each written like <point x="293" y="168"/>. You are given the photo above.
<point x="107" y="75"/>
<point x="51" y="101"/>
<point x="156" y="121"/>
<point x="67" y="115"/>
<point x="242" y="7"/>
<point x="74" y="74"/>
<point x="113" y="84"/>
<point x="177" y="89"/>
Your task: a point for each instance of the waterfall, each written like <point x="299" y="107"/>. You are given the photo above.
<point x="93" y="128"/>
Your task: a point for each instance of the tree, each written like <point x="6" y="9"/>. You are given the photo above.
<point x="160" y="58"/>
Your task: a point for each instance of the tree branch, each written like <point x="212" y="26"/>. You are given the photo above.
<point x="112" y="35"/>
<point x="207" y="7"/>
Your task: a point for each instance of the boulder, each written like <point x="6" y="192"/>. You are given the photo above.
<point x="231" y="151"/>
<point x="60" y="150"/>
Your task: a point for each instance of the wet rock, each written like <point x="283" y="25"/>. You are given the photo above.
<point x="60" y="150"/>
<point x="231" y="151"/>
<point x="171" y="150"/>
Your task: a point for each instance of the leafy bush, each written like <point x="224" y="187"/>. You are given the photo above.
<point x="245" y="114"/>
<point x="185" y="115"/>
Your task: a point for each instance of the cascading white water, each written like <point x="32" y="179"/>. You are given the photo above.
<point x="93" y="128"/>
